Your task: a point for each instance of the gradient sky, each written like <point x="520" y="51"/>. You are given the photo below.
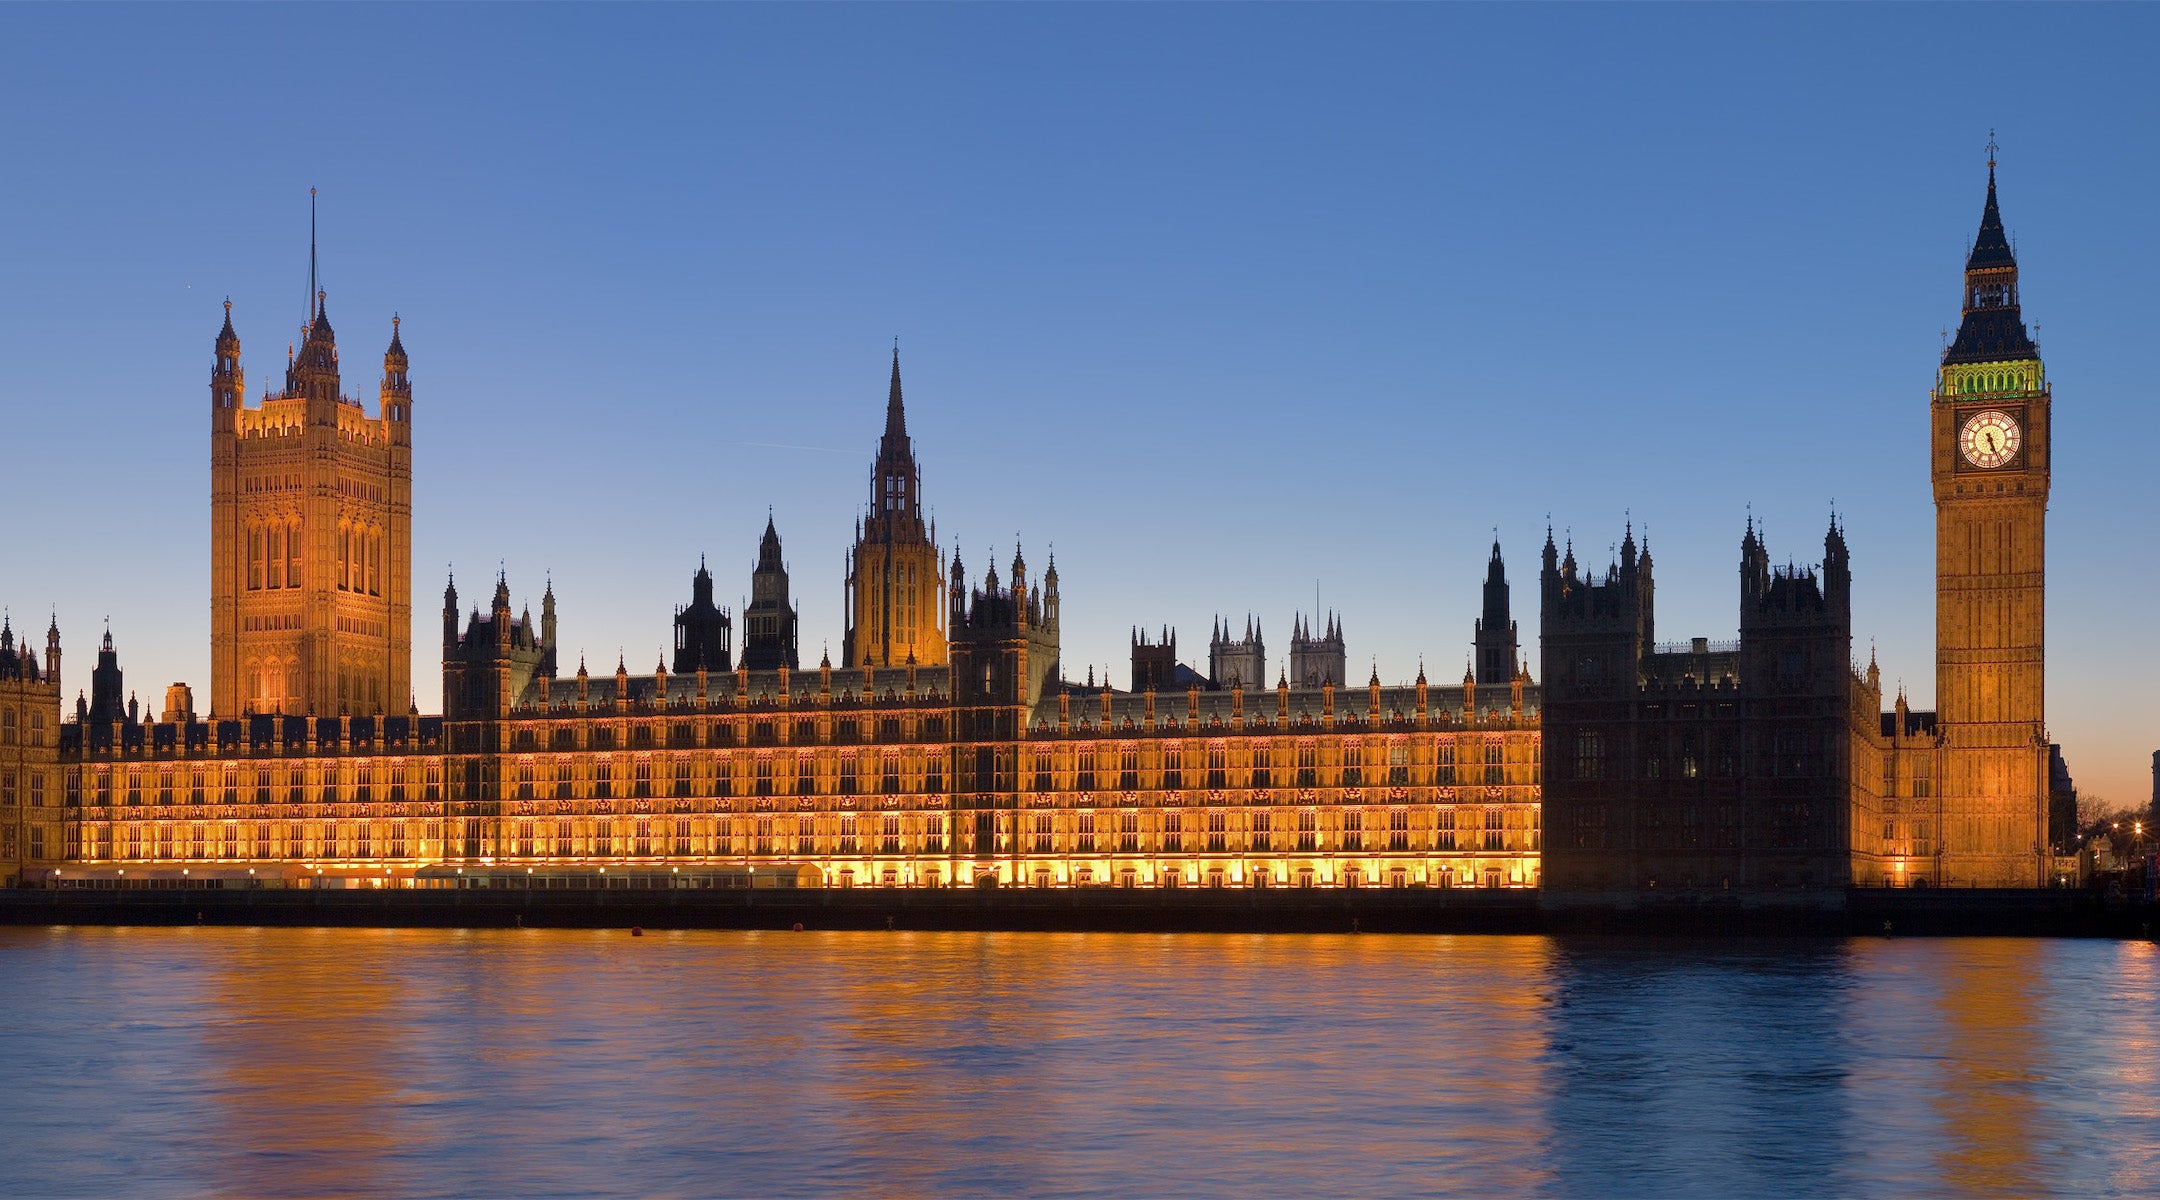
<point x="1230" y="304"/>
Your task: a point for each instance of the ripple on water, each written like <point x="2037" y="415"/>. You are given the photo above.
<point x="302" y="1062"/>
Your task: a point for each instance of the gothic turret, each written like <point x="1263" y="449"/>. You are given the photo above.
<point x="106" y="704"/>
<point x="1494" y="636"/>
<point x="1754" y="565"/>
<point x="227" y="384"/>
<point x="547" y="624"/>
<point x="397" y="385"/>
<point x="1837" y="570"/>
<point x="769" y="624"/>
<point x="314" y="371"/>
<point x="703" y="633"/>
<point x="1237" y="661"/>
<point x="1154" y="660"/>
<point x="1318" y="659"/>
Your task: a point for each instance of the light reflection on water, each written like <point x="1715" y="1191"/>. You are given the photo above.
<point x="412" y="1062"/>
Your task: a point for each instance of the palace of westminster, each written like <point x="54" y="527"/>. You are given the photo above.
<point x="947" y="748"/>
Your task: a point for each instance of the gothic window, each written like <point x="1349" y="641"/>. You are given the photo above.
<point x="889" y="835"/>
<point x="1084" y="842"/>
<point x="1398" y="825"/>
<point x="1308" y="831"/>
<point x="277" y="556"/>
<point x="1353" y="831"/>
<point x="1217" y="758"/>
<point x="1307" y="756"/>
<point x="1495" y="772"/>
<point x="1444" y="768"/>
<point x="1262" y="825"/>
<point x="1173" y="774"/>
<point x="1217" y="832"/>
<point x="1262" y="775"/>
<point x="1589" y="754"/>
<point x="1173" y="832"/>
<point x="255" y="557"/>
<point x="1128" y="768"/>
<point x="1353" y="764"/>
<point x="1128" y="832"/>
<point x="1495" y="829"/>
<point x="1043" y="836"/>
<point x="1398" y="758"/>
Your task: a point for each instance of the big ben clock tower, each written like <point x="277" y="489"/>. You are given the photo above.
<point x="1990" y="449"/>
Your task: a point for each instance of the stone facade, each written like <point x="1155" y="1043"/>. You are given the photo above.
<point x="310" y="535"/>
<point x="1768" y="768"/>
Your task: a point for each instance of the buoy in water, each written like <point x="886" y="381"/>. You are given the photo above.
<point x="798" y="926"/>
<point x="637" y="931"/>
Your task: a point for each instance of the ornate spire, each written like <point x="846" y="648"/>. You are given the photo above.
<point x="895" y="413"/>
<point x="1992" y="328"/>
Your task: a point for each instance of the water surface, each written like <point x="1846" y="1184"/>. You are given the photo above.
<point x="416" y="1062"/>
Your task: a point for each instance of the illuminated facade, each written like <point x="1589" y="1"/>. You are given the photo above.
<point x="32" y="820"/>
<point x="894" y="572"/>
<point x="310" y="536"/>
<point x="949" y="752"/>
<point x="948" y="749"/>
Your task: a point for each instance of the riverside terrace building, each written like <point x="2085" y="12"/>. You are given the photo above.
<point x="989" y="769"/>
<point x="949" y="751"/>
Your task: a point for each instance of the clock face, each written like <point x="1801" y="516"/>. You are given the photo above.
<point x="1990" y="439"/>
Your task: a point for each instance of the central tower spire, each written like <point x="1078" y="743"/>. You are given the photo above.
<point x="895" y="569"/>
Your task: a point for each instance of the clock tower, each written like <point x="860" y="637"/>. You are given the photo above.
<point x="1990" y="450"/>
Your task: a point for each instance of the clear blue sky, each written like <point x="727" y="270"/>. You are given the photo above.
<point x="1226" y="302"/>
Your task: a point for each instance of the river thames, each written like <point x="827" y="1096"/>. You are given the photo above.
<point x="269" y="1062"/>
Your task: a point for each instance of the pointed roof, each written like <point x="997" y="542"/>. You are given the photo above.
<point x="895" y="412"/>
<point x="1992" y="328"/>
<point x="226" y="336"/>
<point x="768" y="558"/>
<point x="396" y="352"/>
<point x="1991" y="247"/>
